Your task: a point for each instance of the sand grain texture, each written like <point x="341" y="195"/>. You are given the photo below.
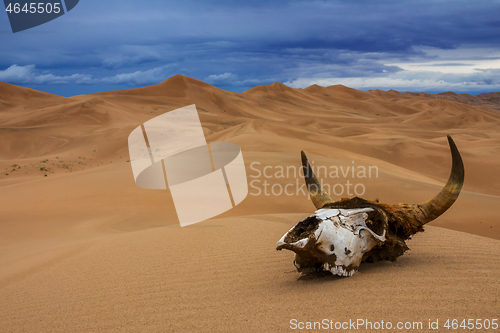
<point x="225" y="276"/>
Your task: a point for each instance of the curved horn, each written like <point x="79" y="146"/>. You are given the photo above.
<point x="425" y="212"/>
<point x="318" y="195"/>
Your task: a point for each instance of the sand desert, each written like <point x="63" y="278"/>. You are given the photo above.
<point x="84" y="249"/>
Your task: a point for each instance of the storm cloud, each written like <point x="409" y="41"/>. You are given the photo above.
<point x="404" y="45"/>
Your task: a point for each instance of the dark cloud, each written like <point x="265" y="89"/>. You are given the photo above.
<point x="237" y="45"/>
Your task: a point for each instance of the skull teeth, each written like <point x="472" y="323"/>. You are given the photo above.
<point x="338" y="270"/>
<point x="335" y="270"/>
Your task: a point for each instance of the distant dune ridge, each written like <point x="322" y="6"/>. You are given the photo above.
<point x="488" y="100"/>
<point x="82" y="248"/>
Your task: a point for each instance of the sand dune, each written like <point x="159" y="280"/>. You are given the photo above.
<point x="489" y="100"/>
<point x="82" y="248"/>
<point x="224" y="275"/>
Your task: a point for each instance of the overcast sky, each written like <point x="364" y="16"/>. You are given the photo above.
<point x="429" y="45"/>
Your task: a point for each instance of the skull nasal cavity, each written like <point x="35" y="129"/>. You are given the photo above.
<point x="347" y="251"/>
<point x="303" y="229"/>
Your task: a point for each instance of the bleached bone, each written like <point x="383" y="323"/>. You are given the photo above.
<point x="343" y="234"/>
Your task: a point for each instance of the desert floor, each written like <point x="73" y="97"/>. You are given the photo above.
<point x="84" y="249"/>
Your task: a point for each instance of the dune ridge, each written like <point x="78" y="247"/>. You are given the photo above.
<point x="82" y="248"/>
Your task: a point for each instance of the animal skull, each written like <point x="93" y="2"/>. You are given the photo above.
<point x="341" y="235"/>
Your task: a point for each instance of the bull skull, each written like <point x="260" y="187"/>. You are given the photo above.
<point x="343" y="234"/>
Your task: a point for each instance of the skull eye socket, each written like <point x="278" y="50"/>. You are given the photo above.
<point x="376" y="223"/>
<point x="303" y="229"/>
